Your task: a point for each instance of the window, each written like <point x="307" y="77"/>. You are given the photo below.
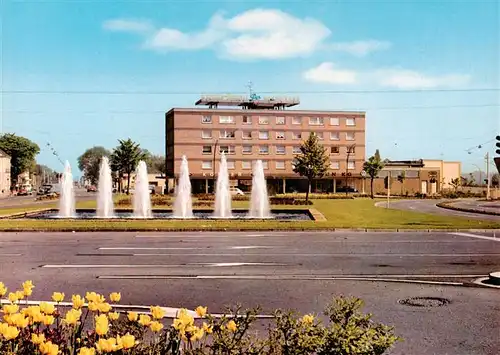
<point x="334" y="136"/>
<point x="227" y="134"/>
<point x="247" y="149"/>
<point x="350" y="122"/>
<point x="280" y="164"/>
<point x="296" y="150"/>
<point x="335" y="165"/>
<point x="280" y="135"/>
<point x="334" y="150"/>
<point x="334" y="121"/>
<point x="297" y="135"/>
<point x="349" y="136"/>
<point x="280" y="120"/>
<point x="263" y="120"/>
<point x="351" y="165"/>
<point x="207" y="149"/>
<point x="227" y="149"/>
<point x="247" y="119"/>
<point x="264" y="149"/>
<point x="280" y="149"/>
<point x="316" y="121"/>
<point x="226" y="119"/>
<point x="206" y="164"/>
<point x="265" y="164"/>
<point x="246" y="134"/>
<point x="320" y="135"/>
<point x="296" y="120"/>
<point x="264" y="135"/>
<point x="206" y="119"/>
<point x="206" y="134"/>
<point x="230" y="164"/>
<point x="245" y="164"/>
<point x="350" y="150"/>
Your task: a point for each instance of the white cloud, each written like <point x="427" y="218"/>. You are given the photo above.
<point x="360" y="48"/>
<point x="327" y="73"/>
<point x="408" y="79"/>
<point x="128" y="25"/>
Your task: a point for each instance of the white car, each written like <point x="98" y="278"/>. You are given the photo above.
<point x="236" y="191"/>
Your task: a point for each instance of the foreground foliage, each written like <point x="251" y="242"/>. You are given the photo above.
<point x="90" y="325"/>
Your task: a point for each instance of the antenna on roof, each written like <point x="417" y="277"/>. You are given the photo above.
<point x="252" y="95"/>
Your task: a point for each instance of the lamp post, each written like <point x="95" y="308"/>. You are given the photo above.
<point x="350" y="149"/>
<point x="213" y="165"/>
<point x="363" y="175"/>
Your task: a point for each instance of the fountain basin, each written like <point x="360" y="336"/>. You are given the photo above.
<point x="199" y="214"/>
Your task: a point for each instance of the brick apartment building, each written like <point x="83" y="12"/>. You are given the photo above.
<point x="252" y="129"/>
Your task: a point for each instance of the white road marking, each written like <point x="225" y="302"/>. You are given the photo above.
<point x="185" y="248"/>
<point x="286" y="277"/>
<point x="470" y="235"/>
<point x="155" y="266"/>
<point x="251" y="247"/>
<point x="10" y="254"/>
<point x="307" y="254"/>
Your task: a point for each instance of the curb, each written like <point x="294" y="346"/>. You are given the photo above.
<point x="448" y="206"/>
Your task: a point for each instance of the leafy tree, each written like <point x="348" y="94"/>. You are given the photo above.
<point x="156" y="164"/>
<point x="312" y="162"/>
<point x="372" y="167"/>
<point x="22" y="153"/>
<point x="455" y="183"/>
<point x="495" y="180"/>
<point x="89" y="163"/>
<point x="401" y="179"/>
<point x="44" y="173"/>
<point x="125" y="158"/>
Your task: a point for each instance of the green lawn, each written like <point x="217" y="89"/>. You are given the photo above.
<point x="357" y="213"/>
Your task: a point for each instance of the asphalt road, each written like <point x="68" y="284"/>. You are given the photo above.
<point x="20" y="201"/>
<point x="281" y="270"/>
<point x="429" y="206"/>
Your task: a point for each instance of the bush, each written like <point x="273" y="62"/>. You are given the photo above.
<point x="317" y="196"/>
<point x="282" y="200"/>
<point x="211" y="197"/>
<point x="302" y="202"/>
<point x="90" y="325"/>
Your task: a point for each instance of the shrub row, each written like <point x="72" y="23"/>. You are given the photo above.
<point x="211" y="197"/>
<point x="316" y="196"/>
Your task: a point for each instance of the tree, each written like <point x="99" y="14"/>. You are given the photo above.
<point x="44" y="173"/>
<point x="125" y="158"/>
<point x="22" y="152"/>
<point x="372" y="167"/>
<point x="156" y="164"/>
<point x="455" y="183"/>
<point x="401" y="179"/>
<point x="495" y="180"/>
<point x="90" y="161"/>
<point x="312" y="162"/>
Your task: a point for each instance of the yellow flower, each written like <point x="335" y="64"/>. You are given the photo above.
<point x="48" y="320"/>
<point x="106" y="345"/>
<point x="231" y="326"/>
<point x="86" y="351"/>
<point x="207" y="328"/>
<point x="3" y="289"/>
<point x="94" y="297"/>
<point x="58" y="297"/>
<point x="126" y="342"/>
<point x="157" y="312"/>
<point x="101" y="324"/>
<point x="37" y="338"/>
<point x="9" y="332"/>
<point x="113" y="315"/>
<point x="132" y="316"/>
<point x="93" y="306"/>
<point x="20" y="295"/>
<point x="13" y="297"/>
<point x="73" y="316"/>
<point x="115" y="297"/>
<point x="47" y="308"/>
<point x="144" y="320"/>
<point x="48" y="348"/>
<point x="197" y="334"/>
<point x="10" y="308"/>
<point x="156" y="326"/>
<point x="28" y="288"/>
<point x="78" y="301"/>
<point x="104" y="307"/>
<point x="19" y="320"/>
<point x="201" y="311"/>
<point x="308" y="319"/>
<point x="183" y="321"/>
<point x="34" y="312"/>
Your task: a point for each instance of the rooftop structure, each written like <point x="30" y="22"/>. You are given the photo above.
<point x="248" y="102"/>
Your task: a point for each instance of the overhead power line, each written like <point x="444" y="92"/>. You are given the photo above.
<point x="285" y="92"/>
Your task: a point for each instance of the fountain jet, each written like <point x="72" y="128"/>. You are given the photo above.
<point x="259" y="200"/>
<point x="67" y="198"/>
<point x="141" y="198"/>
<point x="222" y="193"/>
<point x="183" y="206"/>
<point x="105" y="191"/>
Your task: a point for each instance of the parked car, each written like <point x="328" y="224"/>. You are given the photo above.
<point x="236" y="191"/>
<point x="91" y="189"/>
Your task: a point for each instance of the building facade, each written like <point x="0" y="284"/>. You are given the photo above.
<point x="5" y="167"/>
<point x="249" y="130"/>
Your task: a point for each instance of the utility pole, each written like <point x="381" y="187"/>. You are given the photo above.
<point x="388" y="187"/>
<point x="350" y="149"/>
<point x="213" y="165"/>
<point x="487" y="175"/>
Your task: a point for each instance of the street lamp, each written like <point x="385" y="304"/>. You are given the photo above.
<point x="213" y="165"/>
<point x="363" y="175"/>
<point x="350" y="149"/>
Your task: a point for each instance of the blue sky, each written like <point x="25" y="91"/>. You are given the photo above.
<point x="100" y="49"/>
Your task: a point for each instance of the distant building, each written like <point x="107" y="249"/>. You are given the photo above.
<point x="4" y="174"/>
<point x="250" y="128"/>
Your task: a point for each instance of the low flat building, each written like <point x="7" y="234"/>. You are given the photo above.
<point x="5" y="166"/>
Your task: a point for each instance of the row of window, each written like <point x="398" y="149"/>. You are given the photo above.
<point x="264" y="149"/>
<point x="281" y="120"/>
<point x="278" y="164"/>
<point x="231" y="134"/>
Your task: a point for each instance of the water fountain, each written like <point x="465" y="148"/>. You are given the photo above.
<point x="67" y="198"/>
<point x="183" y="206"/>
<point x="222" y="193"/>
<point x="105" y="191"/>
<point x="259" y="201"/>
<point x="142" y="199"/>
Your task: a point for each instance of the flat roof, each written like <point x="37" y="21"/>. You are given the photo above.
<point x="252" y="101"/>
<point x="264" y="111"/>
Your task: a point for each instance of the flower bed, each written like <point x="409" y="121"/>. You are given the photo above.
<point x="90" y="325"/>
